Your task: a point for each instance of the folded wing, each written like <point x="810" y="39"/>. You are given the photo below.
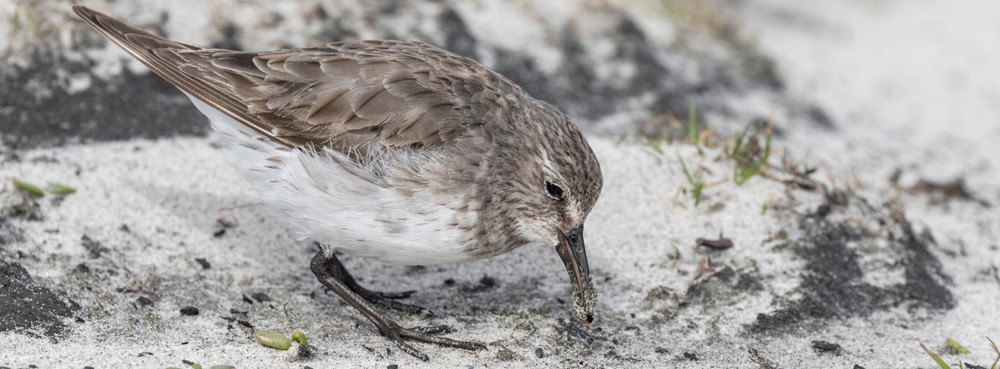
<point x="344" y="96"/>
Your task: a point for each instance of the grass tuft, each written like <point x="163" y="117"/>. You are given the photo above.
<point x="750" y="158"/>
<point x="697" y="184"/>
<point x="934" y="356"/>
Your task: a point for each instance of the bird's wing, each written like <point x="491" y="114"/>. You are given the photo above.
<point x="343" y="96"/>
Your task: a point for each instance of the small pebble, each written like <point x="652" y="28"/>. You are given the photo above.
<point x="392" y="366"/>
<point x="204" y="263"/>
<point x="261" y="297"/>
<point x="189" y="311"/>
<point x="823" y="346"/>
<point x="690" y="356"/>
<point x="144" y="301"/>
<point x="539" y="353"/>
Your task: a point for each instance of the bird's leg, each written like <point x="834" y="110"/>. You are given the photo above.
<point x="382" y="299"/>
<point x="323" y="267"/>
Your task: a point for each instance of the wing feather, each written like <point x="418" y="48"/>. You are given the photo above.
<point x="342" y="96"/>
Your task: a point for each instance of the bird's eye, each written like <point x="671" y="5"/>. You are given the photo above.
<point x="554" y="191"/>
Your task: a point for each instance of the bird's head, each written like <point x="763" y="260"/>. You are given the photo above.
<point x="556" y="183"/>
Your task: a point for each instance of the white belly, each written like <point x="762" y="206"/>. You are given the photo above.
<point x="322" y="201"/>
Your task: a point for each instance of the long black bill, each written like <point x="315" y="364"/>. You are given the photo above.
<point x="574" y="255"/>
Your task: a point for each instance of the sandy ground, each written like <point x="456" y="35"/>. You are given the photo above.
<point x="927" y="104"/>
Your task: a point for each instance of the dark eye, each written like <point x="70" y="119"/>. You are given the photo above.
<point x="554" y="191"/>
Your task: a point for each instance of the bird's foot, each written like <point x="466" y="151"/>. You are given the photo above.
<point x="425" y="334"/>
<point x="385" y="300"/>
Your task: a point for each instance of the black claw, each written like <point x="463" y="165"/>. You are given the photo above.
<point x="405" y="347"/>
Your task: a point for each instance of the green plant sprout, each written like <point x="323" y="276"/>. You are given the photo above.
<point x="58" y="189"/>
<point x="961" y="349"/>
<point x="692" y="135"/>
<point x="749" y="157"/>
<point x="697" y="185"/>
<point x="934" y="356"/>
<point x="278" y="340"/>
<point x="957" y="346"/>
<point x="300" y="338"/>
<point x="272" y="339"/>
<point x="28" y="188"/>
<point x="288" y="314"/>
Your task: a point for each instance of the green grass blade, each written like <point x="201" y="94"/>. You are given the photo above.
<point x="59" y="189"/>
<point x="998" y="353"/>
<point x="957" y="346"/>
<point x="934" y="356"/>
<point x="692" y="125"/>
<point x="28" y="188"/>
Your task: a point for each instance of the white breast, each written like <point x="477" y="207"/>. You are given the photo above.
<point x="322" y="199"/>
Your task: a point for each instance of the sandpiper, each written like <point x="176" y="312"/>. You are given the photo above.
<point x="392" y="150"/>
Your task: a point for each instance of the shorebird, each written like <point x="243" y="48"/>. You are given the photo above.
<point x="392" y="150"/>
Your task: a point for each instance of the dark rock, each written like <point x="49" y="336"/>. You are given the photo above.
<point x="204" y="263"/>
<point x="82" y="269"/>
<point x="26" y="304"/>
<point x="189" y="311"/>
<point x="485" y="283"/>
<point x="219" y="233"/>
<point x="690" y="356"/>
<point x="661" y="350"/>
<point x="261" y="297"/>
<point x="539" y="353"/>
<point x="247" y="300"/>
<point x="392" y="366"/>
<point x="144" y="302"/>
<point x="245" y="323"/>
<point x="94" y="248"/>
<point x="823" y="346"/>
